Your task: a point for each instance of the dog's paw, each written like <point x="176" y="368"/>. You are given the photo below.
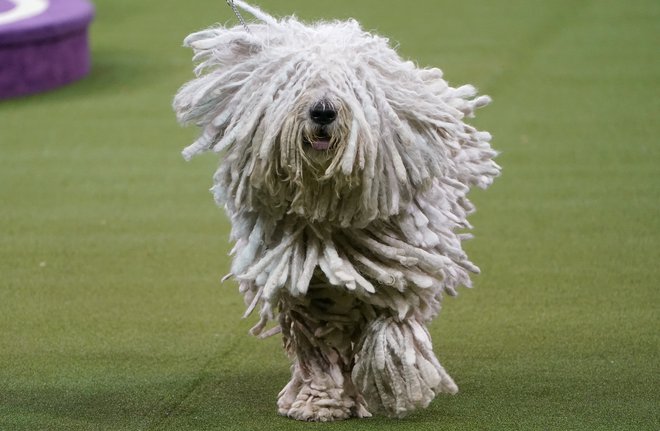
<point x="315" y="404"/>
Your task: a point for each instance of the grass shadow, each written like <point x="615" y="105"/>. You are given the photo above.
<point x="93" y="406"/>
<point x="246" y="401"/>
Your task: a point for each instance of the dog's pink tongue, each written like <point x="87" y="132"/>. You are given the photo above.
<point x="321" y="144"/>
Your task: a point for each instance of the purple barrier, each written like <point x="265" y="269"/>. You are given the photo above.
<point x="43" y="44"/>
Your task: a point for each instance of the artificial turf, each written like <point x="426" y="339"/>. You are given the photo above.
<point x="111" y="312"/>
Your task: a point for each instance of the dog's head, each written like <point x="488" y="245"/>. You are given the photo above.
<point x="326" y="121"/>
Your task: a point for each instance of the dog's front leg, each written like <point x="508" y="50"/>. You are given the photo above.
<point x="321" y="388"/>
<point x="396" y="368"/>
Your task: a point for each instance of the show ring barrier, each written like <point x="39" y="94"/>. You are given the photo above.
<point x="43" y="44"/>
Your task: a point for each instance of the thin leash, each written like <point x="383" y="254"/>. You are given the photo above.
<point x="238" y="15"/>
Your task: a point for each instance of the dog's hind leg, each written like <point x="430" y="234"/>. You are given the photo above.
<point x="318" y="335"/>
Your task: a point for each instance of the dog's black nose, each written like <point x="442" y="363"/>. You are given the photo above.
<point x="323" y="113"/>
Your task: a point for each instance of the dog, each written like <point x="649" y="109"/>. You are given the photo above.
<point x="344" y="172"/>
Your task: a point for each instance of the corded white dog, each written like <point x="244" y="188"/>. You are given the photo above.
<point x="345" y="172"/>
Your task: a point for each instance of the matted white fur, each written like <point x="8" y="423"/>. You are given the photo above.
<point x="347" y="234"/>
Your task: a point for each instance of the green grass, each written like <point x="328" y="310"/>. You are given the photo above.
<point x="111" y="314"/>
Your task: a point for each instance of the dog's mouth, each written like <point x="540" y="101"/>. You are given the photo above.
<point x="321" y="141"/>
